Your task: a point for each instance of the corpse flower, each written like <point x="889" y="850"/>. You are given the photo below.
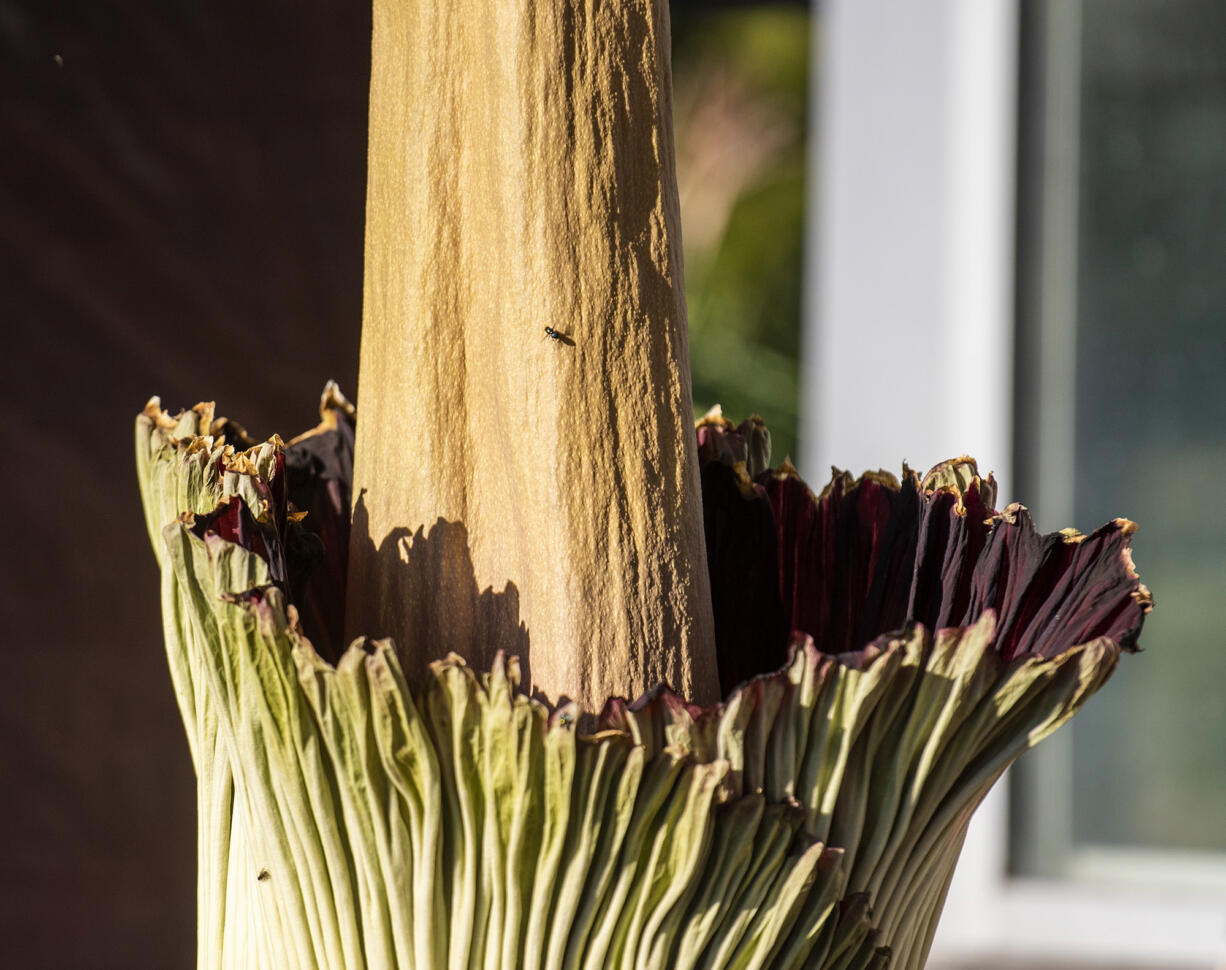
<point x="403" y="649"/>
<point x="886" y="649"/>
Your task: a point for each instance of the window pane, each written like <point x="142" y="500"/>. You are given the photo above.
<point x="1149" y="755"/>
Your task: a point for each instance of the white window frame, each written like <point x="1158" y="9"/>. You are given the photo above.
<point x="908" y="353"/>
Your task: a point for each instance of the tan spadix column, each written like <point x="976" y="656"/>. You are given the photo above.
<point x="521" y="177"/>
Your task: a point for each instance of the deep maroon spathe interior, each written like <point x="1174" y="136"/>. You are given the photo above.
<point x="862" y="560"/>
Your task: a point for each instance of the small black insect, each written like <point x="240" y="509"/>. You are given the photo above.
<point x="263" y="876"/>
<point x="559" y="336"/>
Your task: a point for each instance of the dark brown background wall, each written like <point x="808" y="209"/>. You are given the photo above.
<point x="181" y="210"/>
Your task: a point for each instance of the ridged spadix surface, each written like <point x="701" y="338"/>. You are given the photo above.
<point x="521" y="176"/>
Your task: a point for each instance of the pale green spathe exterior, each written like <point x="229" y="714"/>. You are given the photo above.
<point x="350" y="819"/>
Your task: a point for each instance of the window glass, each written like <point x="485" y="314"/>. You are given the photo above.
<point x="1148" y="756"/>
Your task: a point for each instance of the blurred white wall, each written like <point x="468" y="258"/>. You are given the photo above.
<point x="908" y="332"/>
<point x="908" y="342"/>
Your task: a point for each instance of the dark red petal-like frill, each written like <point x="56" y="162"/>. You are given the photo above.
<point x="1053" y="591"/>
<point x="319" y="472"/>
<point x="845" y="560"/>
<point x="870" y="555"/>
<point x="751" y="630"/>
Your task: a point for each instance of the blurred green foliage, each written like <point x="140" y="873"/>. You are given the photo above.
<point x="741" y="79"/>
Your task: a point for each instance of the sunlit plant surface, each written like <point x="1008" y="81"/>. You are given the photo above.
<point x="886" y="649"/>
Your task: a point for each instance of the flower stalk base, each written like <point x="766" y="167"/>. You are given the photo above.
<point x="352" y="818"/>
